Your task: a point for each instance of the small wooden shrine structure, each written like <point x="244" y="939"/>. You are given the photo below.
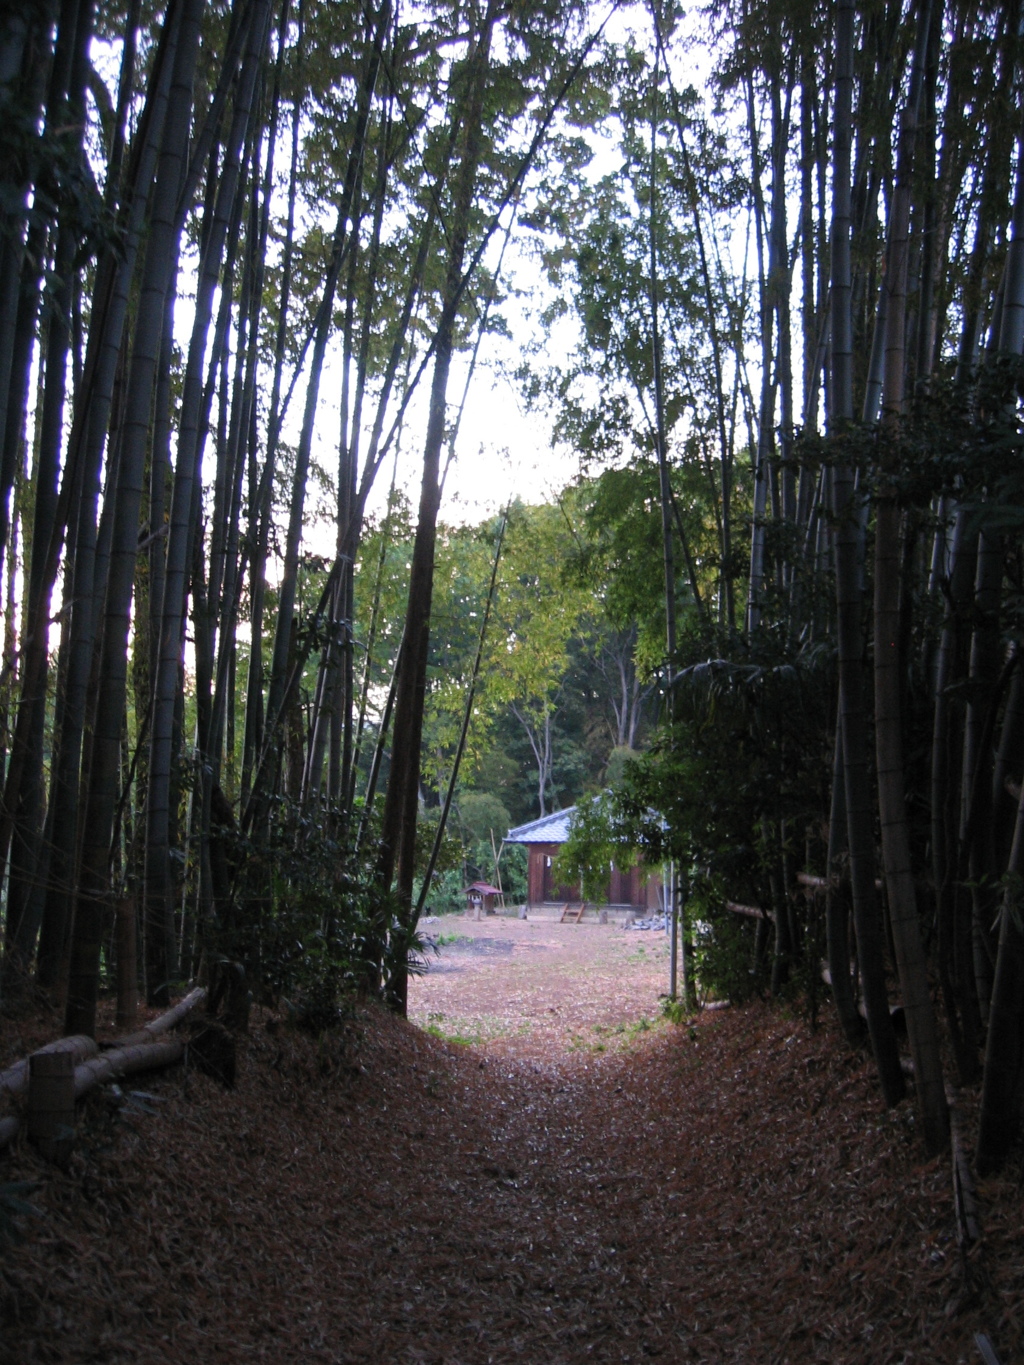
<point x="480" y="898"/>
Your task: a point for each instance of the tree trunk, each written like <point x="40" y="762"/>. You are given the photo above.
<point x="160" y="929"/>
<point x="52" y="229"/>
<point x="837" y="907"/>
<point x="343" y="240"/>
<point x="899" y="877"/>
<point x="94" y="884"/>
<point x="955" y="974"/>
<point x="664" y="484"/>
<point x="999" y="1119"/>
<point x="81" y="488"/>
<point x="398" y="835"/>
<point x="849" y="596"/>
<point x="1003" y="1083"/>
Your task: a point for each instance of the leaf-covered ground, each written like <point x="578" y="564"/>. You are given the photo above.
<point x="729" y="1190"/>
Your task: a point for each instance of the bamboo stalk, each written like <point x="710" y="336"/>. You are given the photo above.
<point x="467" y="717"/>
<point x="127" y="966"/>
<point x="968" y="1230"/>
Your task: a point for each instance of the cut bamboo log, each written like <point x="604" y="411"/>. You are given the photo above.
<point x="125" y="1061"/>
<point x="51" y="1104"/>
<point x="811" y="882"/>
<point x="14" y="1081"/>
<point x="751" y="911"/>
<point x="167" y="1021"/>
<point x="110" y="1066"/>
<point x="146" y="1052"/>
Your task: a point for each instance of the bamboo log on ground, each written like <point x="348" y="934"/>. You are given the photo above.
<point x="166" y="1021"/>
<point x="14" y="1081"/>
<point x="142" y="1051"/>
<point x="125" y="1061"/>
<point x="111" y="1066"/>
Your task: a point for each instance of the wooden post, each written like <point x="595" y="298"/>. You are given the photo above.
<point x="51" y="1104"/>
<point x="672" y="925"/>
<point x="127" y="963"/>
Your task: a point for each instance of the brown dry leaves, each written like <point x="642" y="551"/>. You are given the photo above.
<point x="536" y="987"/>
<point x="730" y="1193"/>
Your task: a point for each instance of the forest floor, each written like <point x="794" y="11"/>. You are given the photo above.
<point x="580" y="1180"/>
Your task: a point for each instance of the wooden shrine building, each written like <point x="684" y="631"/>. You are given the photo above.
<point x="628" y="895"/>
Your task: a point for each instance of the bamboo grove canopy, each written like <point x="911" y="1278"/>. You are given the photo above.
<point x="786" y="315"/>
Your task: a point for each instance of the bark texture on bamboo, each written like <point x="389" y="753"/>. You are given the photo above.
<point x="125" y="1061"/>
<point x="109" y="705"/>
<point x="888" y="662"/>
<point x="164" y="1022"/>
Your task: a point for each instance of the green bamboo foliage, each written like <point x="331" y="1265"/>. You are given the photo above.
<point x="203" y="693"/>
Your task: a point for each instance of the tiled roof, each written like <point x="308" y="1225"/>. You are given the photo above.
<point x="549" y="829"/>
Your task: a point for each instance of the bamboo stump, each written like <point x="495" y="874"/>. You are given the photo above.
<point x="51" y="1104"/>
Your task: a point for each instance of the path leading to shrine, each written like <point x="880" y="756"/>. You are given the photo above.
<point x="586" y="1182"/>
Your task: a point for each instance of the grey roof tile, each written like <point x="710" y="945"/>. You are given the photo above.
<point x="549" y="829"/>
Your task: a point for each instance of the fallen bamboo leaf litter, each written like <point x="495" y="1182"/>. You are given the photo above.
<point x="735" y="1194"/>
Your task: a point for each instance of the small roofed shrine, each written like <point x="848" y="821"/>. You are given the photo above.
<point x="480" y="898"/>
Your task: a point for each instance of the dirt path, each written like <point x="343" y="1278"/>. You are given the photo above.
<point x="555" y="1194"/>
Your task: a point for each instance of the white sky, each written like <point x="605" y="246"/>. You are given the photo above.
<point x="502" y="449"/>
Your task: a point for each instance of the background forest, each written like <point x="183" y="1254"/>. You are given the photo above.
<point x="251" y="701"/>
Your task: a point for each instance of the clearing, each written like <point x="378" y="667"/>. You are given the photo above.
<point x="577" y="1186"/>
<point x="537" y="987"/>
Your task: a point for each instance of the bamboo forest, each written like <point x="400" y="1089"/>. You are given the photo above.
<point x="419" y="420"/>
